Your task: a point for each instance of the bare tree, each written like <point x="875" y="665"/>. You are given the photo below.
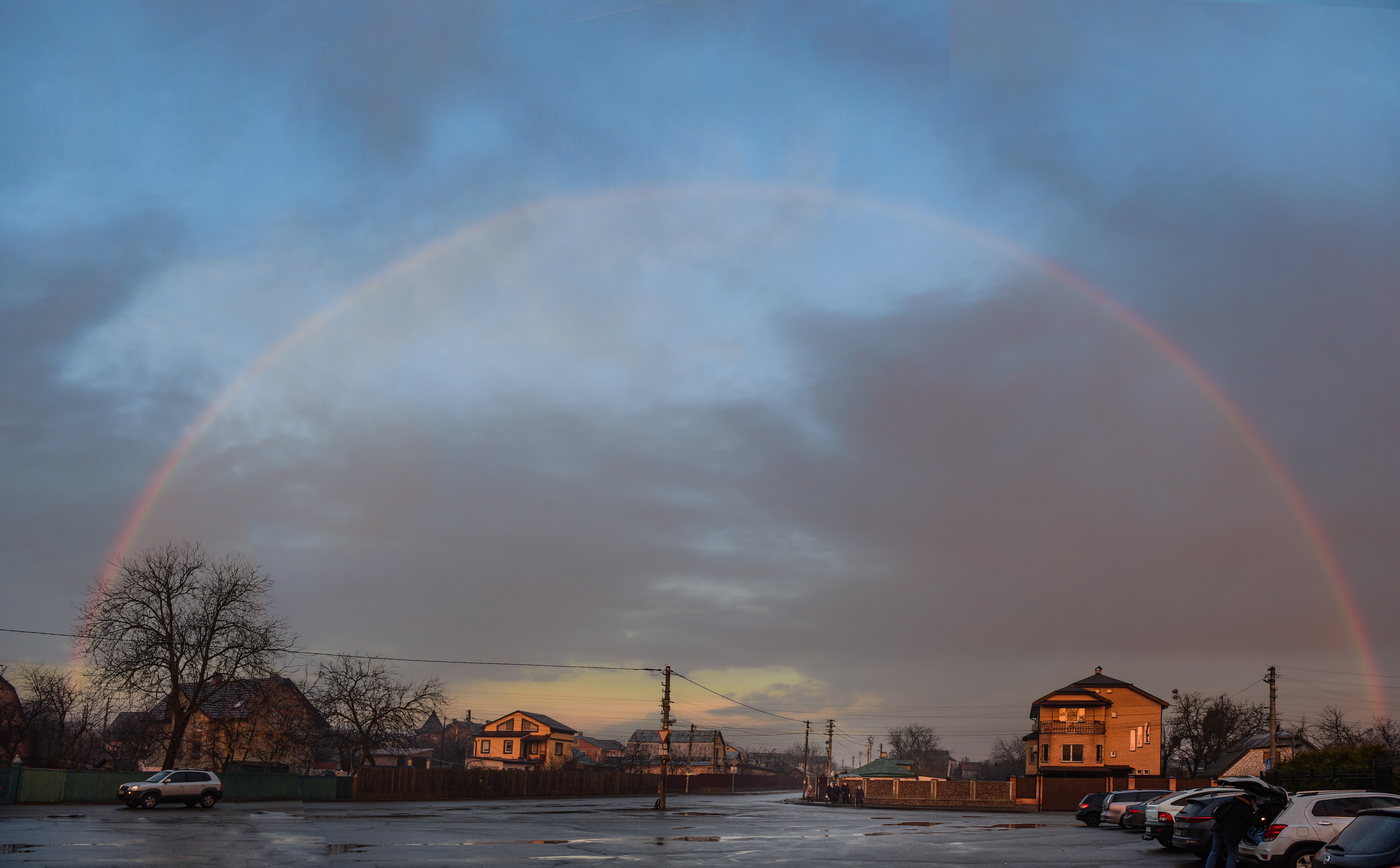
<point x="61" y="720"/>
<point x="132" y="737"/>
<point x="1332" y="729"/>
<point x="1385" y="731"/>
<point x="172" y="620"/>
<point x="1007" y="758"/>
<point x="1200" y="728"/>
<point x="368" y="707"/>
<point x="920" y="745"/>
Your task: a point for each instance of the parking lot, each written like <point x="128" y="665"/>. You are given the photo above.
<point x="697" y="830"/>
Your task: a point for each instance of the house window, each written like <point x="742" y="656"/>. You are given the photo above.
<point x="1071" y="753"/>
<point x="1098" y="753"/>
<point x="483" y="745"/>
<point x="1064" y="715"/>
<point x="1147" y="733"/>
<point x="1045" y="753"/>
<point x="1079" y="714"/>
<point x="1034" y="754"/>
<point x="507" y="746"/>
<point x="558" y="748"/>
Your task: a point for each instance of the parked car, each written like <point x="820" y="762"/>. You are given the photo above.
<point x="1089" y="808"/>
<point x="1159" y="815"/>
<point x="1372" y="840"/>
<point x="1193" y="826"/>
<point x="191" y="786"/>
<point x="1299" y="829"/>
<point x="1116" y="802"/>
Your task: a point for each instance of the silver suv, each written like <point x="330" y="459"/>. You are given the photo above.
<point x="1308" y="822"/>
<point x="1116" y="802"/>
<point x="191" y="786"/>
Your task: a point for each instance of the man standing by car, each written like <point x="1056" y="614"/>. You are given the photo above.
<point x="1232" y="819"/>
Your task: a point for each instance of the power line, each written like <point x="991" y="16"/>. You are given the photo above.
<point x="732" y="699"/>
<point x="398" y="659"/>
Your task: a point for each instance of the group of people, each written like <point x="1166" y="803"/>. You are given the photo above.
<point x="839" y="795"/>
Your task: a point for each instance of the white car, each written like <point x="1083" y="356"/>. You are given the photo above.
<point x="191" y="786"/>
<point x="1308" y="822"/>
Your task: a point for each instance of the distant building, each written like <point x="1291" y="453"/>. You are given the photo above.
<point x="403" y="757"/>
<point x="12" y="729"/>
<point x="600" y="751"/>
<point x="1246" y="757"/>
<point x="693" y="751"/>
<point x="1095" y="725"/>
<point x="247" y="724"/>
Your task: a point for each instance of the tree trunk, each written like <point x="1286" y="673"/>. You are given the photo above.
<point x="179" y="721"/>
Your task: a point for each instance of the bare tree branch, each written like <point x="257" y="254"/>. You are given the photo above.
<point x="173" y="619"/>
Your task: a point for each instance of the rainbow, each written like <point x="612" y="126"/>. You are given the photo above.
<point x="1248" y="433"/>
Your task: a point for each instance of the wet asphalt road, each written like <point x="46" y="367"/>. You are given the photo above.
<point x="696" y="831"/>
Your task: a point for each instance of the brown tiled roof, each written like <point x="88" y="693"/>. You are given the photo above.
<point x="236" y="697"/>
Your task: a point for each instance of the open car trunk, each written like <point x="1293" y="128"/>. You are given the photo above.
<point x="1270" y="799"/>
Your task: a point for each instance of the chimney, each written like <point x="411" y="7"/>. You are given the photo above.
<point x="216" y="680"/>
<point x="1098" y="670"/>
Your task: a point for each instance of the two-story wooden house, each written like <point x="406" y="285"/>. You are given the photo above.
<point x="1095" y="725"/>
<point x="524" y="739"/>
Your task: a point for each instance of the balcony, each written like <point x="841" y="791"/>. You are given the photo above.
<point x="1081" y="727"/>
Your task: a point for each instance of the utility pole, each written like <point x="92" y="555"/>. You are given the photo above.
<point x="1272" y="680"/>
<point x="807" y="759"/>
<point x="664" y="734"/>
<point x="830" y="766"/>
<point x="869" y="749"/>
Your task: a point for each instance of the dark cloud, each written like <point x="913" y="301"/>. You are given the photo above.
<point x="973" y="486"/>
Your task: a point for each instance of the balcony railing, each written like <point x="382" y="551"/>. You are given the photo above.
<point x="1082" y="727"/>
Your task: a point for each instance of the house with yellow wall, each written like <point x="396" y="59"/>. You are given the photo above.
<point x="523" y="739"/>
<point x="1097" y="725"/>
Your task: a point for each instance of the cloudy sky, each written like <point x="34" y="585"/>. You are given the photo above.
<point x="886" y="362"/>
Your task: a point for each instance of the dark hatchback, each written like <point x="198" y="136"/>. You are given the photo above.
<point x="1089" y="808"/>
<point x="1372" y="840"/>
<point x="1194" y="823"/>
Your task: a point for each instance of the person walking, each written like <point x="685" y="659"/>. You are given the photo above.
<point x="860" y="795"/>
<point x="1232" y="820"/>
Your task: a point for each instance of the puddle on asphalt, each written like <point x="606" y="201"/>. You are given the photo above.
<point x="1016" y="826"/>
<point x="337" y="849"/>
<point x="66" y="816"/>
<point x="915" y="823"/>
<point x="17" y="848"/>
<point x="696" y="814"/>
<point x="711" y="838"/>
